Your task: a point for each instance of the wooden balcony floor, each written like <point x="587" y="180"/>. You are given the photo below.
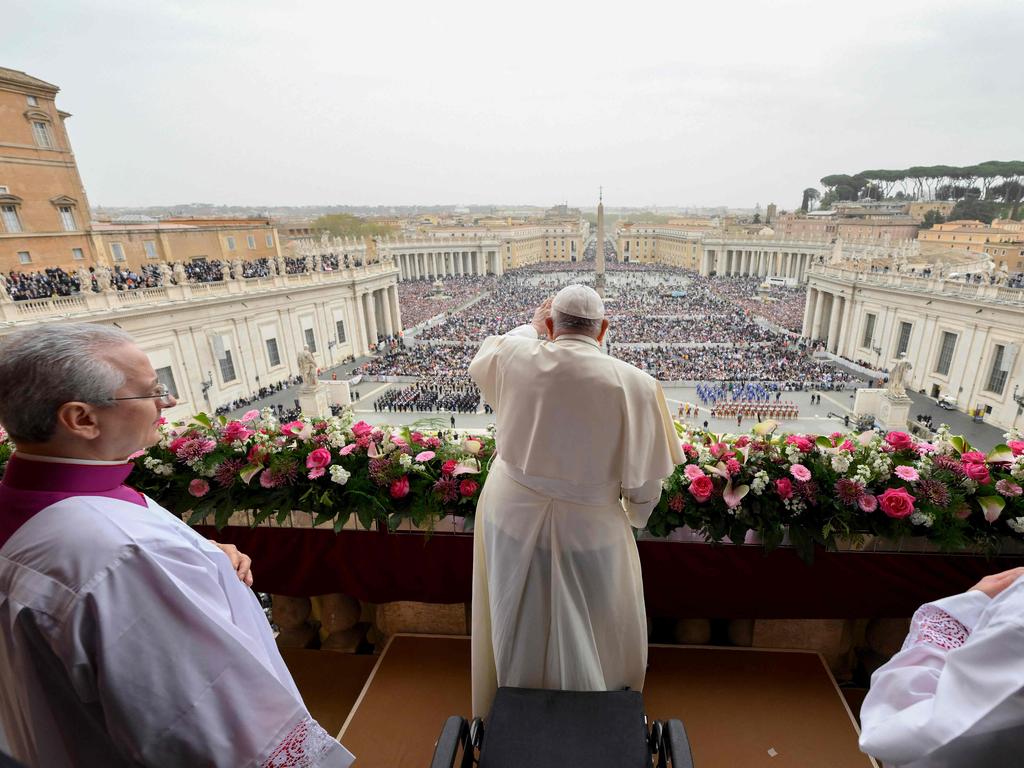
<point x="737" y="704"/>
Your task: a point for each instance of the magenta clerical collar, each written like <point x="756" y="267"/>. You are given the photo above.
<point x="64" y="476"/>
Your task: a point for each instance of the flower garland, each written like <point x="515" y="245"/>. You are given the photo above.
<point x="817" y="489"/>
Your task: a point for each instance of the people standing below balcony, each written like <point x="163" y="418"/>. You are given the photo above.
<point x="954" y="695"/>
<point x="583" y="444"/>
<point x="125" y="637"/>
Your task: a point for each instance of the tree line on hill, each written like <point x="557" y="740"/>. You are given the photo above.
<point x="985" y="187"/>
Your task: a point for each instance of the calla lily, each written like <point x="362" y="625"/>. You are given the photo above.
<point x="248" y="472"/>
<point x="466" y="467"/>
<point x="371" y="450"/>
<point x="865" y="438"/>
<point x="765" y="427"/>
<point x="1001" y="453"/>
<point x="720" y="470"/>
<point x="991" y="507"/>
<point x="733" y="496"/>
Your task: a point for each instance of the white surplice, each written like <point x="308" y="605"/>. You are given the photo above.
<point x="953" y="697"/>
<point x="122" y="616"/>
<point x="583" y="444"/>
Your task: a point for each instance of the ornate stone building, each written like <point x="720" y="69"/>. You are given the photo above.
<point x="963" y="339"/>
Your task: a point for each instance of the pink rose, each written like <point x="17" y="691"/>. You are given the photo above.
<point x="361" y="429"/>
<point x="847" y="446"/>
<point x="292" y="428"/>
<point x="896" y="502"/>
<point x="977" y="472"/>
<point x="468" y="487"/>
<point x="973" y="457"/>
<point x="251" y="415"/>
<point x="721" y="451"/>
<point x="742" y="441"/>
<point x="906" y="473"/>
<point x="176" y="444"/>
<point x="199" y="487"/>
<point x="257" y="455"/>
<point x="400" y="487"/>
<point x="867" y="502"/>
<point x="784" y="488"/>
<point x="692" y="472"/>
<point x="1016" y="447"/>
<point x="900" y="441"/>
<point x="835" y="436"/>
<point x="416" y="437"/>
<point x="236" y="430"/>
<point x="802" y="443"/>
<point x="701" y="488"/>
<point x="425" y="456"/>
<point x="318" y="459"/>
<point x="434" y="442"/>
<point x="449" y="466"/>
<point x="800" y="472"/>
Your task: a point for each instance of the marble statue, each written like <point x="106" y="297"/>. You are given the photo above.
<point x="165" y="273"/>
<point x="307" y="369"/>
<point x="310" y="264"/>
<point x="102" y="275"/>
<point x="225" y="271"/>
<point x="237" y="269"/>
<point x="272" y="267"/>
<point x="282" y="265"/>
<point x="84" y="279"/>
<point x="5" y="295"/>
<point x="179" y="274"/>
<point x="897" y="376"/>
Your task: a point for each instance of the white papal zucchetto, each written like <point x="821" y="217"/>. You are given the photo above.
<point x="579" y="301"/>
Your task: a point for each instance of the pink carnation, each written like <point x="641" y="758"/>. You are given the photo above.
<point x="1016" y="447"/>
<point x="236" y="430"/>
<point x="425" y="456"/>
<point x="906" y="473"/>
<point x="449" y="466"/>
<point x="742" y="441"/>
<point x="784" y="488"/>
<point x="973" y="457"/>
<point x="692" y="472"/>
<point x="199" y="487"/>
<point x="250" y="415"/>
<point x="732" y="466"/>
<point x="802" y="443"/>
<point x="847" y="445"/>
<point x="800" y="472"/>
<point x="468" y="487"/>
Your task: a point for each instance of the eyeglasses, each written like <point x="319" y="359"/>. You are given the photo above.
<point x="162" y="395"/>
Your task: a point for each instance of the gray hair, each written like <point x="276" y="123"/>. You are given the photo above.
<point x="573" y="324"/>
<point x="43" y="367"/>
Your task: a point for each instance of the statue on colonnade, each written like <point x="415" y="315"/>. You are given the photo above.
<point x="165" y="273"/>
<point x="307" y="369"/>
<point x="179" y="274"/>
<point x="103" y="277"/>
<point x="896" y="387"/>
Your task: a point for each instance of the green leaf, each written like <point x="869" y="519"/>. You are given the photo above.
<point x="203" y="419"/>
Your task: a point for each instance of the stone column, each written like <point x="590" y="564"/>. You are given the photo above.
<point x="396" y="312"/>
<point x="369" y="310"/>
<point x="819" y="305"/>
<point x="805" y="330"/>
<point x="845" y="326"/>
<point x="833" y="327"/>
<point x="385" y="306"/>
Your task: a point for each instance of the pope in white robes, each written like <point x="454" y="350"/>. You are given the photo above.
<point x="953" y="697"/>
<point x="584" y="442"/>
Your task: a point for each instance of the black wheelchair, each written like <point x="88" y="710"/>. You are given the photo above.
<point x="529" y="728"/>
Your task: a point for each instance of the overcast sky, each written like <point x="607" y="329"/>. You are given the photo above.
<point x="365" y="103"/>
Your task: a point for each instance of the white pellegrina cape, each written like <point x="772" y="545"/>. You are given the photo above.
<point x="954" y="695"/>
<point x="583" y="444"/>
<point x="126" y="638"/>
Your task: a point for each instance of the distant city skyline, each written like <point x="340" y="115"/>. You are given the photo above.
<point x="259" y="104"/>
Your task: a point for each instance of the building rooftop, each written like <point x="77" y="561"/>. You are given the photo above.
<point x="17" y="77"/>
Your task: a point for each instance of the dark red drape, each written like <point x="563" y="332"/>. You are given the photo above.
<point x="682" y="580"/>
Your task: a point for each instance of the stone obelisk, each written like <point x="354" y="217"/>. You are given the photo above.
<point x="599" y="256"/>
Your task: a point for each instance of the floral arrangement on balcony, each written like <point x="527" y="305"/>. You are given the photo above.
<point x="816" y="489"/>
<point x="821" y="488"/>
<point x="331" y="468"/>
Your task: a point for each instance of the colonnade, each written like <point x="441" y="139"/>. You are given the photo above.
<point x="379" y="314"/>
<point x="757" y="262"/>
<point x="827" y="317"/>
<point x="420" y="265"/>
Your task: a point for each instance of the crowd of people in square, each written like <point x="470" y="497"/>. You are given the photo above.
<point x="421" y="300"/>
<point x="443" y="394"/>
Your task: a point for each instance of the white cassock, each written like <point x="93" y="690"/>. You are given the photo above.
<point x="123" y="616"/>
<point x="954" y="695"/>
<point x="558" y="597"/>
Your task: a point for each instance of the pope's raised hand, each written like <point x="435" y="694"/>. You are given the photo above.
<point x="540" y="315"/>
